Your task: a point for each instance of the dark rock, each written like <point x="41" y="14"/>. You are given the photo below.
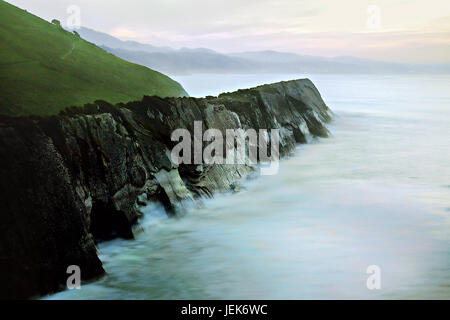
<point x="70" y="180"/>
<point x="43" y="221"/>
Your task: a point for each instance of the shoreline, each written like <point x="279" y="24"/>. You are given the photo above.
<point x="103" y="159"/>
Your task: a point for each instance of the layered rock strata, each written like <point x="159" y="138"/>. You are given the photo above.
<point x="71" y="180"/>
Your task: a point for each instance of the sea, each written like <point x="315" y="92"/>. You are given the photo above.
<point x="363" y="214"/>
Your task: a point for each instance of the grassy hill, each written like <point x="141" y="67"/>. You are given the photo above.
<point x="44" y="69"/>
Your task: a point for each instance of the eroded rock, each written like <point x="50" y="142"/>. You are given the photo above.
<point x="70" y="180"/>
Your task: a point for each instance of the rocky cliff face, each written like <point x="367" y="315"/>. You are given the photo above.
<point x="71" y="180"/>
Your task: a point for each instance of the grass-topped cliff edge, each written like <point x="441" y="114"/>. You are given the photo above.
<point x="44" y="69"/>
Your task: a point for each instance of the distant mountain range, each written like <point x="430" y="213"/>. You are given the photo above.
<point x="190" y="61"/>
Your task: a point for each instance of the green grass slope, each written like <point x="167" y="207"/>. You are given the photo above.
<point x="44" y="69"/>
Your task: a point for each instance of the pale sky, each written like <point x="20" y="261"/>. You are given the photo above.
<point x="389" y="30"/>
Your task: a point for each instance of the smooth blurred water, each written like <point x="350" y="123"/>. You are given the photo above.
<point x="376" y="193"/>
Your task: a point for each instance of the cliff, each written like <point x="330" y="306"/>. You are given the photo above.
<point x="71" y="180"/>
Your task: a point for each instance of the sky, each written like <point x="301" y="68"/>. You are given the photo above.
<point x="413" y="31"/>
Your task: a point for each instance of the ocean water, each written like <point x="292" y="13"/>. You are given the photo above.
<point x="377" y="192"/>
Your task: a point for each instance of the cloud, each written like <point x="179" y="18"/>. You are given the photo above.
<point x="124" y="33"/>
<point x="320" y="27"/>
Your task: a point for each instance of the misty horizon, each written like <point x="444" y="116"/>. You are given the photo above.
<point x="406" y="32"/>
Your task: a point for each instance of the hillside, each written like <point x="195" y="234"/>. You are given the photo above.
<point x="44" y="69"/>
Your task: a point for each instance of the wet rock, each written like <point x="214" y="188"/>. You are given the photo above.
<point x="71" y="180"/>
